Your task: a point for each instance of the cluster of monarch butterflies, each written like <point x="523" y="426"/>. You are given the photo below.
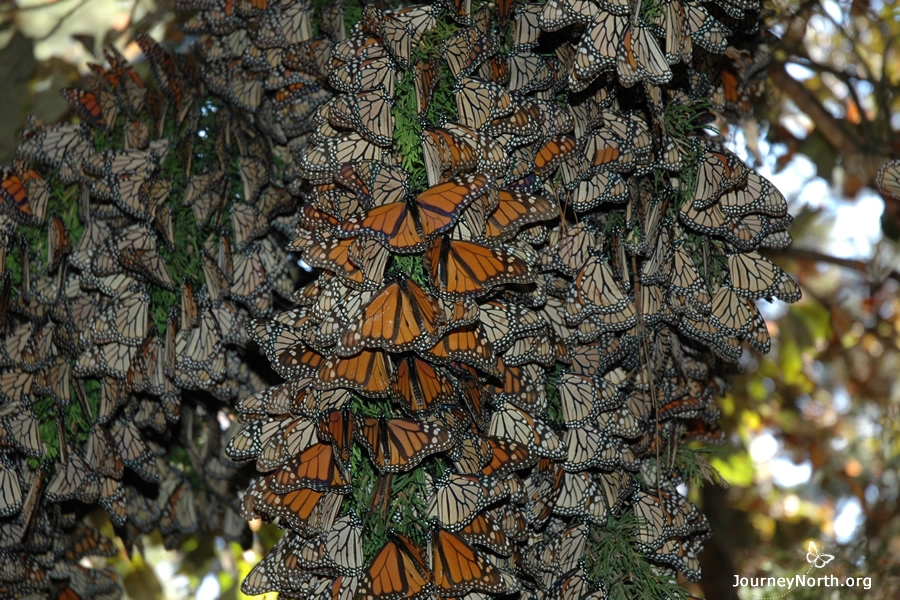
<point x="533" y="270"/>
<point x="532" y="275"/>
<point x="159" y="234"/>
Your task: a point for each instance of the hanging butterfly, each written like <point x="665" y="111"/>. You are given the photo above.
<point x="466" y="50"/>
<point x="398" y="445"/>
<point x="400" y="317"/>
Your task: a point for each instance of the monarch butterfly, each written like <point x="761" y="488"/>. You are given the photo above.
<point x="888" y="179"/>
<point x="705" y="30"/>
<point x="10" y="488"/>
<point x="248" y="442"/>
<point x="754" y="276"/>
<point x="397" y="572"/>
<point x="254" y="176"/>
<point x="420" y="387"/>
<point x="369" y="113"/>
<point x="680" y="555"/>
<point x="579" y="496"/>
<point x="639" y="58"/>
<point x="427" y="74"/>
<point x="467" y="269"/>
<point x="398" y="445"/>
<point x="597" y="50"/>
<point x="271" y="573"/>
<point x="516" y="210"/>
<point x="458" y="570"/>
<point x="358" y="46"/>
<point x="447" y="154"/>
<point x="725" y="346"/>
<point x="166" y="72"/>
<point x="526" y="24"/>
<point x="306" y="511"/>
<point x="281" y="28"/>
<point x="441" y="205"/>
<point x="512" y="423"/>
<point x="479" y="101"/>
<point x="529" y="72"/>
<point x="365" y="74"/>
<point x="63" y="146"/>
<point x="74" y="479"/>
<point x="314" y="468"/>
<point x="364" y="271"/>
<point x="503" y="323"/>
<point x="125" y="320"/>
<point x="343" y="545"/>
<point x="89" y="107"/>
<point x="292" y="437"/>
<point x="242" y="88"/>
<point x="25" y="196"/>
<point x="368" y="372"/>
<point x="595" y="290"/>
<point x="458" y="499"/>
<point x="374" y="183"/>
<point x="551" y="154"/>
<point x="84" y="540"/>
<point x="100" y="452"/>
<point x="135" y="249"/>
<point x="506" y="456"/>
<point x="557" y="14"/>
<point x="757" y="196"/>
<point x="400" y="317"/>
<point x="589" y="447"/>
<point x="466" y="50"/>
<point x="134" y="450"/>
<point x="582" y="399"/>
<point x="465" y="345"/>
<point x="251" y="283"/>
<point x="400" y="29"/>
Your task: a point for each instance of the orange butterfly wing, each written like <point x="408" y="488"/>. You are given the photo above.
<point x="314" y="468"/>
<point x="457" y="569"/>
<point x="402" y="316"/>
<point x="441" y="205"/>
<point x="392" y="223"/>
<point x="420" y="387"/>
<point x="396" y="573"/>
<point x="465" y="268"/>
<point x="368" y="373"/>
<point x="13" y="191"/>
<point x="398" y="445"/>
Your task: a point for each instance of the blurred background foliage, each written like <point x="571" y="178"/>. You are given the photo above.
<point x="813" y="452"/>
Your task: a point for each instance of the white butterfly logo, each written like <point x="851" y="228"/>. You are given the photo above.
<point x="813" y="556"/>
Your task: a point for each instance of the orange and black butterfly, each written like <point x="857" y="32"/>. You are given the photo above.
<point x="337" y="427"/>
<point x="398" y="445"/>
<point x="457" y="569"/>
<point x="401" y="316"/>
<point x="13" y="192"/>
<point x="314" y="468"/>
<point x="427" y="76"/>
<point x="89" y="108"/>
<point x="368" y="372"/>
<point x="468" y="49"/>
<point x="420" y="387"/>
<point x="397" y="572"/>
<point x="465" y="345"/>
<point x="554" y="152"/>
<point x="515" y="211"/>
<point x="461" y="269"/>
